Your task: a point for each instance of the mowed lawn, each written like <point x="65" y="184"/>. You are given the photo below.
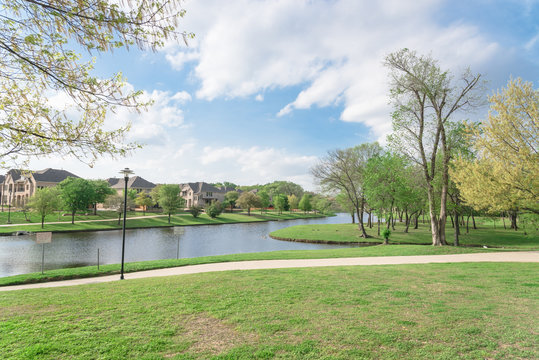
<point x="485" y="235"/>
<point x="433" y="311"/>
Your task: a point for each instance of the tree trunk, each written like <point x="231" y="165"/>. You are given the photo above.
<point x="353" y="217"/>
<point x="119" y="218"/>
<point x="452" y="221"/>
<point x="73" y="217"/>
<point x="369" y="221"/>
<point x="169" y="218"/>
<point x="378" y="227"/>
<point x="400" y="215"/>
<point x="360" y="220"/>
<point x="95" y="208"/>
<point x="433" y="220"/>
<point x="457" y="229"/>
<point x="416" y="225"/>
<point x="248" y="211"/>
<point x="42" y="221"/>
<point x="513" y="216"/>
<point x="503" y="219"/>
<point x="473" y="222"/>
<point x="467" y="224"/>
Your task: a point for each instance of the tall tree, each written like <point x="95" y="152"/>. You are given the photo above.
<point x="425" y="99"/>
<point x="37" y="57"/>
<point x="170" y="199"/>
<point x="115" y="201"/>
<point x="248" y="200"/>
<point x="280" y="202"/>
<point x="264" y="199"/>
<point x="293" y="202"/>
<point x="44" y="202"/>
<point x="230" y="199"/>
<point x="305" y="203"/>
<point x="343" y="170"/>
<point x="102" y="189"/>
<point x="505" y="175"/>
<point x="77" y="194"/>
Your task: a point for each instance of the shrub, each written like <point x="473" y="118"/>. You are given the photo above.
<point x="386" y="233"/>
<point x="214" y="209"/>
<point x="195" y="210"/>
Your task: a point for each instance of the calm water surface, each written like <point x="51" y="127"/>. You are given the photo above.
<point x="20" y="254"/>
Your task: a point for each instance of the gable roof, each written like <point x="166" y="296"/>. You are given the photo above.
<point x="14" y="173"/>
<point x="134" y="182"/>
<point x="52" y="175"/>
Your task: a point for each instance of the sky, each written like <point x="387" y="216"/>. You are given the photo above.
<point x="268" y="87"/>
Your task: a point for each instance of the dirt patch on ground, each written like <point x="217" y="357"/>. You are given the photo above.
<point x="17" y="310"/>
<point x="212" y="336"/>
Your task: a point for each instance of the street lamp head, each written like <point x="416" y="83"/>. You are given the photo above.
<point x="126" y="172"/>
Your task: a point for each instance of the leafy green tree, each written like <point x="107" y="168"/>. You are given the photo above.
<point x="505" y="175"/>
<point x="214" y="209"/>
<point x="248" y="200"/>
<point x="425" y="99"/>
<point x="280" y="202"/>
<point x="321" y="204"/>
<point x="264" y="200"/>
<point x="44" y="202"/>
<point x="77" y="194"/>
<point x="283" y="187"/>
<point x="346" y="205"/>
<point x="230" y="199"/>
<point x="144" y="200"/>
<point x="170" y="199"/>
<point x="305" y="203"/>
<point x="115" y="202"/>
<point x="39" y="40"/>
<point x="293" y="201"/>
<point x="154" y="194"/>
<point x="102" y="189"/>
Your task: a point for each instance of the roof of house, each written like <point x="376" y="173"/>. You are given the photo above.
<point x="134" y="182"/>
<point x="52" y="175"/>
<point x="14" y="173"/>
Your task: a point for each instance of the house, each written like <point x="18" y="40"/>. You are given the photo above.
<point x="201" y="193"/>
<point x="136" y="183"/>
<point x="18" y="186"/>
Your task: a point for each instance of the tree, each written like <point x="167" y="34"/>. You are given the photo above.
<point x="264" y="199"/>
<point x="214" y="209"/>
<point x="102" y="189"/>
<point x="425" y="99"/>
<point x="248" y="200"/>
<point x="37" y="58"/>
<point x="230" y="199"/>
<point x="343" y="171"/>
<point x="170" y="199"/>
<point x="144" y="200"/>
<point x="280" y="202"/>
<point x="346" y="205"/>
<point x="305" y="203"/>
<point x="321" y="204"/>
<point x="293" y="202"/>
<point x="283" y="187"/>
<point x="77" y="194"/>
<point x="505" y="176"/>
<point x="44" y="202"/>
<point x="115" y="202"/>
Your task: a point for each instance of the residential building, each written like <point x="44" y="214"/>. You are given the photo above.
<point x="18" y="186"/>
<point x="134" y="183"/>
<point x="201" y="193"/>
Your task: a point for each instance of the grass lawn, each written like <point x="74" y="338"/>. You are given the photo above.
<point x="349" y="233"/>
<point x="181" y="219"/>
<point x="91" y="271"/>
<point x="442" y="311"/>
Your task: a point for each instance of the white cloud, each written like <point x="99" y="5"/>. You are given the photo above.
<point x="334" y="49"/>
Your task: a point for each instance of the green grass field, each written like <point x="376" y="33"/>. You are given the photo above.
<point x="181" y="219"/>
<point x="431" y="311"/>
<point x="92" y="271"/>
<point x="349" y="233"/>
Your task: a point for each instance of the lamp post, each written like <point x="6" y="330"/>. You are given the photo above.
<point x="126" y="173"/>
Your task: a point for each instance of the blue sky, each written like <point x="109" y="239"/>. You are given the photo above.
<point x="267" y="87"/>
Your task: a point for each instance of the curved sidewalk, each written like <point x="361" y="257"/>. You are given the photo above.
<point x="524" y="256"/>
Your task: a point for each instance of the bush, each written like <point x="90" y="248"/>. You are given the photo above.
<point x="195" y="210"/>
<point x="385" y="234"/>
<point x="214" y="209"/>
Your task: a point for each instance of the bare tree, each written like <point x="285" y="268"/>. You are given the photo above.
<point x="343" y="170"/>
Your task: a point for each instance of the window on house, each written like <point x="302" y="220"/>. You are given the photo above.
<point x="209" y="193"/>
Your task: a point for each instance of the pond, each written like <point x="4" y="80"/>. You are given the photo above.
<point x="21" y="254"/>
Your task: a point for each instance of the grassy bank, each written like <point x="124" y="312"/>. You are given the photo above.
<point x="349" y="233"/>
<point x="444" y="311"/>
<point x="148" y="222"/>
<point x="92" y="271"/>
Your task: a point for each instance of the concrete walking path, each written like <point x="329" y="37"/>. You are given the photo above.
<point x="520" y="256"/>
